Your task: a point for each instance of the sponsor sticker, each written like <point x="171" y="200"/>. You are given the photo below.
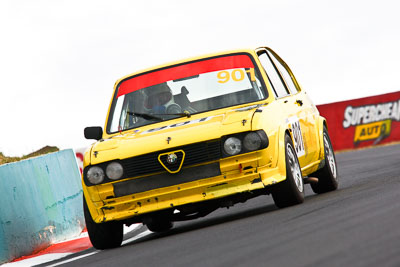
<point x="177" y="125"/>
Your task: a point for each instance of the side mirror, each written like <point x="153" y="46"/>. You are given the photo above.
<point x="94" y="132"/>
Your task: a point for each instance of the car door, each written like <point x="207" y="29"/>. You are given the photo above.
<point x="295" y="105"/>
<point x="306" y="109"/>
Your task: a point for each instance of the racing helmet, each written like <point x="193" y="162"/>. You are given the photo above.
<point x="159" y="97"/>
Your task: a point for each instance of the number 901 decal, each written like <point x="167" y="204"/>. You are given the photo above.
<point x="297" y="136"/>
<point x="236" y="75"/>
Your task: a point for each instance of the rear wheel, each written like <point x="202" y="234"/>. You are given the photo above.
<point x="158" y="225"/>
<point x="327" y="176"/>
<point x="103" y="235"/>
<point x="291" y="191"/>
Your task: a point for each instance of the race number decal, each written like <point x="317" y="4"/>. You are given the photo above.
<point x="236" y="75"/>
<point x="297" y="136"/>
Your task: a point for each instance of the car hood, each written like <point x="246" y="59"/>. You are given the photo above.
<point x="171" y="134"/>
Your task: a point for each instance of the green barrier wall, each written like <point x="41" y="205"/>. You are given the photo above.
<point x="40" y="203"/>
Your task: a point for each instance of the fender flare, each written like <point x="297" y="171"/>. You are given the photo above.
<point x="321" y="123"/>
<point x="283" y="130"/>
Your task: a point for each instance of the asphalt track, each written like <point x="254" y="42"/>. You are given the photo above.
<point x="357" y="225"/>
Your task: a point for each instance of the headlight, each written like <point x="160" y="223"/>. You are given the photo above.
<point x="95" y="175"/>
<point x="114" y="170"/>
<point x="252" y="141"/>
<point x="232" y="146"/>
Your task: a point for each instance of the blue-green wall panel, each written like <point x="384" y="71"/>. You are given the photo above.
<point x="41" y="203"/>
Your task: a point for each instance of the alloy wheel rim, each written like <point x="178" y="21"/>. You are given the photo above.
<point x="330" y="157"/>
<point x="295" y="169"/>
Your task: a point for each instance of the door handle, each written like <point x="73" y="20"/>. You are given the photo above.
<point x="299" y="102"/>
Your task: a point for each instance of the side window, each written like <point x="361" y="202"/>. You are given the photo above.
<point x="273" y="76"/>
<point x="285" y="74"/>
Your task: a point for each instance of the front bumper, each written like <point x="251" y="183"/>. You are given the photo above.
<point x="134" y="197"/>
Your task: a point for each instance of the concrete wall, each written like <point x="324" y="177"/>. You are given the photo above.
<point x="40" y="203"/>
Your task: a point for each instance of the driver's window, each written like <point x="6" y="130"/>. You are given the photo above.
<point x="273" y="75"/>
<point x="285" y="74"/>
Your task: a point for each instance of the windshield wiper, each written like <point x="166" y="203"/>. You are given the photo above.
<point x="145" y="116"/>
<point x="183" y="114"/>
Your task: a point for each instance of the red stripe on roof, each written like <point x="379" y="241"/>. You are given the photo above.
<point x="183" y="71"/>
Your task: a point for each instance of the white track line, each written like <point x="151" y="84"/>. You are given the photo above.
<point x="37" y="260"/>
<point x="92" y="253"/>
<point x="147" y="232"/>
<point x="56" y="256"/>
<point x="73" y="259"/>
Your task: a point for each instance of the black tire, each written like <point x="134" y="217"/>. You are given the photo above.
<point x="290" y="191"/>
<point x="103" y="235"/>
<point x="158" y="225"/>
<point x="327" y="175"/>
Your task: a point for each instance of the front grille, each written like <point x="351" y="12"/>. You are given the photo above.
<point x="194" y="154"/>
<point x="166" y="179"/>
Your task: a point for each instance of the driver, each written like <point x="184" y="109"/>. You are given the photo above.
<point x="159" y="97"/>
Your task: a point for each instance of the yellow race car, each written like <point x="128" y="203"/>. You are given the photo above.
<point x="184" y="139"/>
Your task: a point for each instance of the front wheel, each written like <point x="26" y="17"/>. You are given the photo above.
<point x="291" y="191"/>
<point x="328" y="175"/>
<point x="103" y="235"/>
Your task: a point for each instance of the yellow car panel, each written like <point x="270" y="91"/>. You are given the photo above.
<point x="185" y="138"/>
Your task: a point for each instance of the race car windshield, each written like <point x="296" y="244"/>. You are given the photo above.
<point x="184" y="90"/>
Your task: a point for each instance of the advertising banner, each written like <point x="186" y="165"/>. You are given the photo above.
<point x="363" y="122"/>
